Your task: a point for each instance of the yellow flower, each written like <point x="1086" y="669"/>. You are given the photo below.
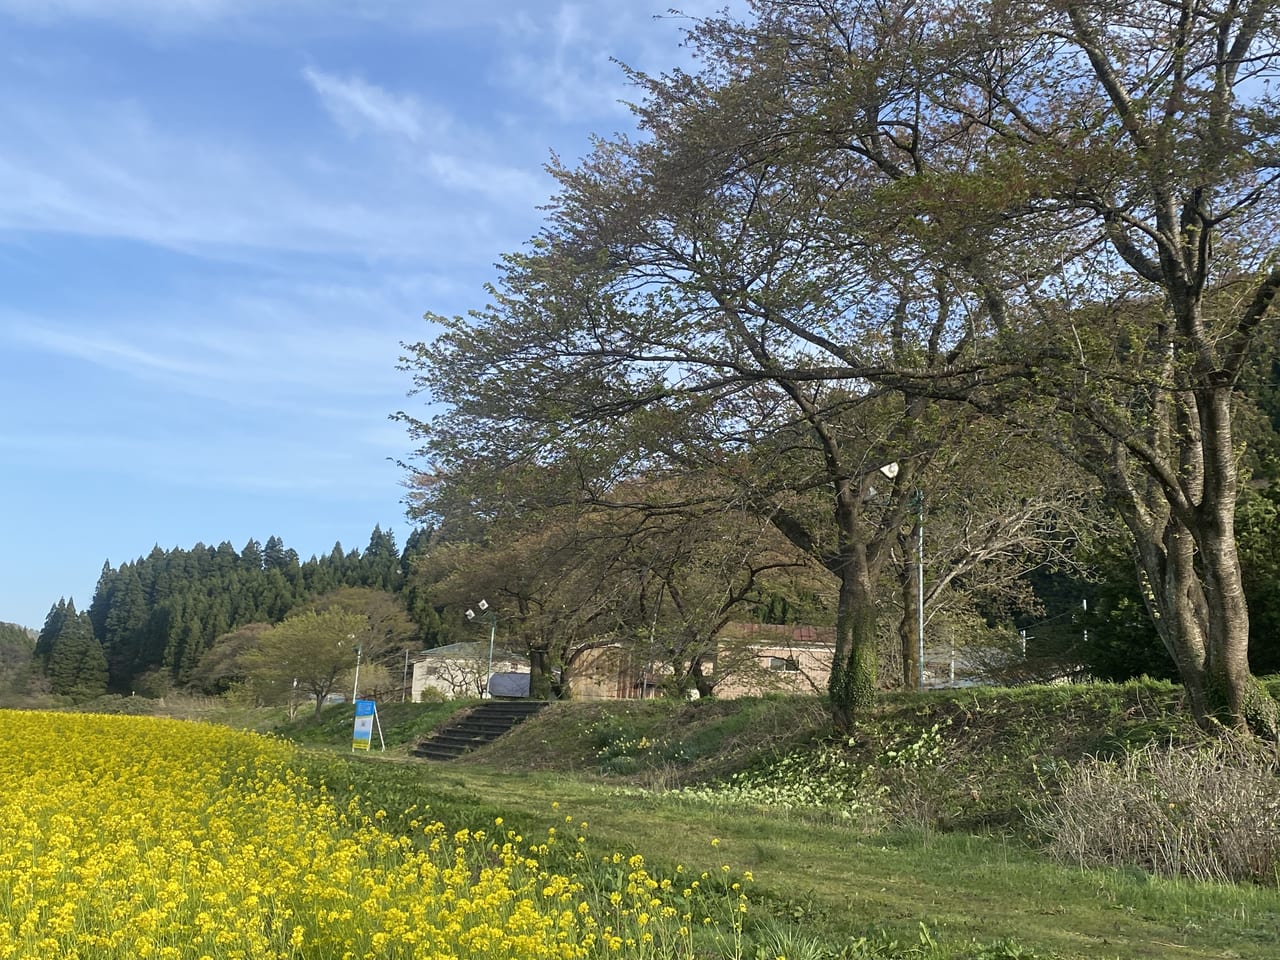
<point x="125" y="837"/>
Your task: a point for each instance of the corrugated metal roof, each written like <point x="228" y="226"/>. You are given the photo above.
<point x="799" y="634"/>
<point x="452" y="651"/>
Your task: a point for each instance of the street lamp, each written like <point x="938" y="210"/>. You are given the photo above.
<point x="487" y="613"/>
<point x="355" y="688"/>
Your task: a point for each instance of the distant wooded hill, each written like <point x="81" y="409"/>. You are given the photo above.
<point x="161" y="612"/>
<point x="16" y="646"/>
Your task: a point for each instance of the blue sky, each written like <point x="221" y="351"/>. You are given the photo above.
<point x="218" y="221"/>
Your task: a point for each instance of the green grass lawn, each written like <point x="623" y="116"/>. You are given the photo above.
<point x="837" y="884"/>
<point x="980" y="889"/>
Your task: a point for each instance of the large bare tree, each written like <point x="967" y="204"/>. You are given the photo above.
<point x="1137" y="144"/>
<point x="715" y="298"/>
<point x="1101" y="176"/>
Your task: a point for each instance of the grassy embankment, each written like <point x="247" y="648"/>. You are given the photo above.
<point x="930" y="858"/>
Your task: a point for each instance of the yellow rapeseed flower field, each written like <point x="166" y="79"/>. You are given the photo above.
<point x="129" y="837"/>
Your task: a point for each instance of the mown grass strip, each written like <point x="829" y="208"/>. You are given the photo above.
<point x="840" y="884"/>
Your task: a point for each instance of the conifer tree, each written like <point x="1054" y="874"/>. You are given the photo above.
<point x="251" y="556"/>
<point x="273" y="555"/>
<point x="381" y="562"/>
<point x="102" y="600"/>
<point x="124" y="630"/>
<point x="52" y="627"/>
<point x="77" y="664"/>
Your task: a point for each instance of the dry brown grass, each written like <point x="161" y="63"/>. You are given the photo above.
<point x="1210" y="812"/>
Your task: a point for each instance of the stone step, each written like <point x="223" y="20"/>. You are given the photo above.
<point x="480" y="725"/>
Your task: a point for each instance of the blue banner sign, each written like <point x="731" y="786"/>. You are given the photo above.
<point x="362" y="738"/>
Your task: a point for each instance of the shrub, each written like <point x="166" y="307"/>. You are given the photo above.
<point x="1271" y="684"/>
<point x="1210" y="812"/>
<point x="116" y="704"/>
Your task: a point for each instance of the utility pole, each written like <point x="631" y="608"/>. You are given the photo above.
<point x="917" y="501"/>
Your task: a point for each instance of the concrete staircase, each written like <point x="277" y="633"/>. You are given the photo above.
<point x="480" y="725"/>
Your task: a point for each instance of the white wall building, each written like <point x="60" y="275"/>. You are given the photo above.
<point x="461" y="669"/>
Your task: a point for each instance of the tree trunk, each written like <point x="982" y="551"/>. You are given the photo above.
<point x="1192" y="585"/>
<point x="1175" y="601"/>
<point x="558" y="689"/>
<point x="1233" y="696"/>
<point x="701" y="681"/>
<point x="1229" y="683"/>
<point x="909" y="628"/>
<point x="854" y="668"/>
<point x="539" y="676"/>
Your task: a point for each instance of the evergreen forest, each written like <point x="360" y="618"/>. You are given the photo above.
<point x="153" y="622"/>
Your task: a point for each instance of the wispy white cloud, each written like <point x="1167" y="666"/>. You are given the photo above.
<point x="567" y="66"/>
<point x="199" y="12"/>
<point x="256" y="351"/>
<point x="106" y="169"/>
<point x="499" y="182"/>
<point x="116" y="351"/>
<point x="448" y="155"/>
<point x="193" y="15"/>
<point x="52" y="10"/>
<point x="359" y="105"/>
<point x="326" y="171"/>
<point x="296" y="18"/>
<point x="566" y="54"/>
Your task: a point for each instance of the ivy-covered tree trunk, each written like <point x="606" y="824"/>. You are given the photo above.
<point x="854" y="668"/>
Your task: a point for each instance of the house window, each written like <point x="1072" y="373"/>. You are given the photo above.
<point x="784" y="664"/>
